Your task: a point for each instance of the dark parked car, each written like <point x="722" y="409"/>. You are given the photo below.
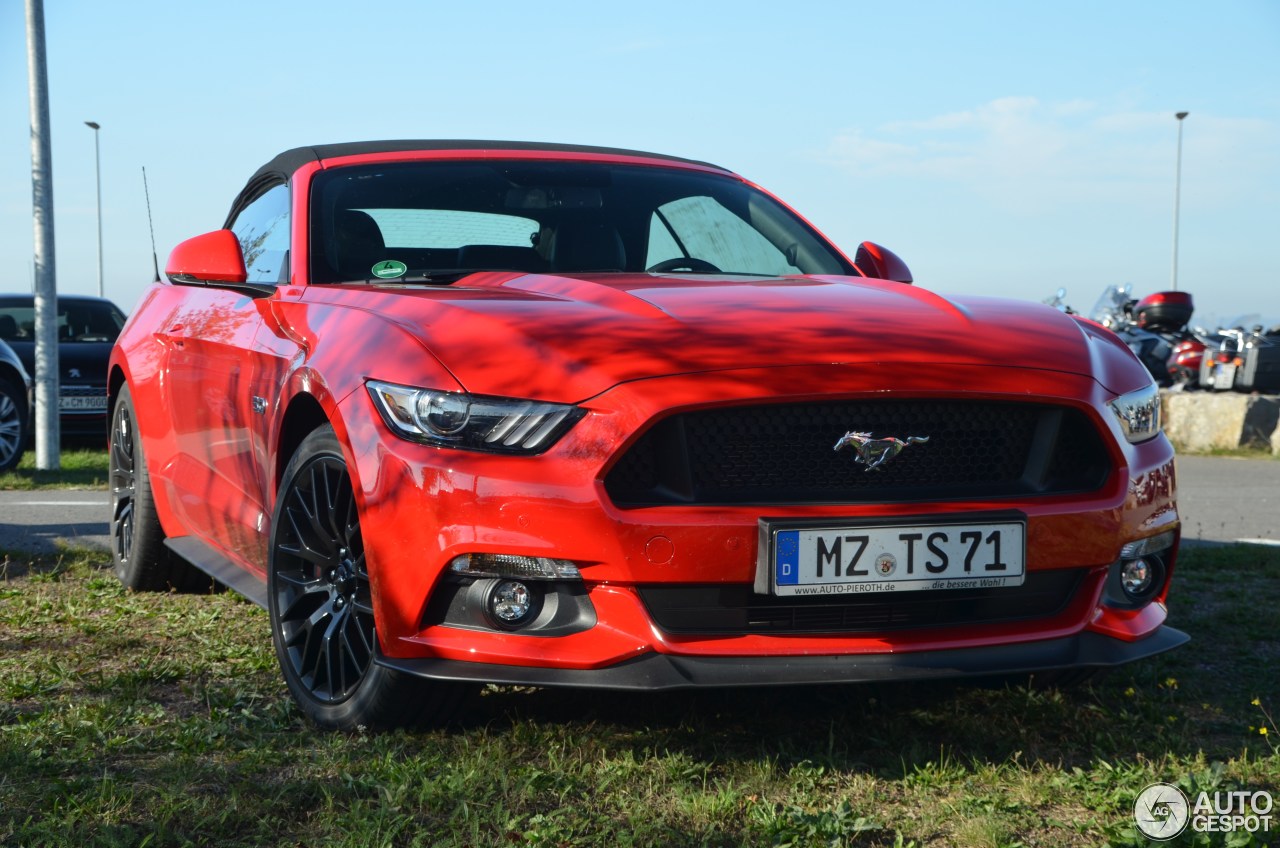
<point x="15" y="407"/>
<point x="87" y="328"/>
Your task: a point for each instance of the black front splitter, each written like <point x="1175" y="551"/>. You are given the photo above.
<point x="656" y="672"/>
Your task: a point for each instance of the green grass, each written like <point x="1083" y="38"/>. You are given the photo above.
<point x="82" y="468"/>
<point x="159" y="719"/>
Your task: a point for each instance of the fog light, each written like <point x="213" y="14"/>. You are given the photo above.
<point x="1133" y="583"/>
<point x="511" y="604"/>
<point x="1135" y="577"/>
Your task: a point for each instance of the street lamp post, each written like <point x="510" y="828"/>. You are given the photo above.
<point x="97" y="165"/>
<point x="1177" y="193"/>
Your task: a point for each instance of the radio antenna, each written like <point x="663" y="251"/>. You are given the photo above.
<point x="155" y="262"/>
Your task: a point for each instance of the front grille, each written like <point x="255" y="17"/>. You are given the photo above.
<point x="783" y="454"/>
<point x="737" y="610"/>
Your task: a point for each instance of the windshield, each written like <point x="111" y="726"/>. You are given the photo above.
<point x="78" y="321"/>
<point x="406" y="220"/>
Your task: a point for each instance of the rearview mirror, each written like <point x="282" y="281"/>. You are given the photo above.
<point x="881" y="263"/>
<point x="561" y="197"/>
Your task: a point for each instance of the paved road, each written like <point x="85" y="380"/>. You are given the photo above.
<point x="1221" y="500"/>
<point x="33" y="521"/>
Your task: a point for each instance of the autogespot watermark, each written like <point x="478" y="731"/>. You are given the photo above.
<point x="1163" y="811"/>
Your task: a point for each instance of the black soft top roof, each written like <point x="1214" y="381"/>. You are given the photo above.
<point x="290" y="160"/>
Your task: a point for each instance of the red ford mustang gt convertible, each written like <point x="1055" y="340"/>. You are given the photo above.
<point x="466" y="412"/>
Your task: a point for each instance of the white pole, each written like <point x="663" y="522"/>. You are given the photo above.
<point x="48" y="457"/>
<point x="1177" y="195"/>
<point x="97" y="168"/>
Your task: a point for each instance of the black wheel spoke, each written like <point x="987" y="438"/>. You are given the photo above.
<point x="331" y="658"/>
<point x="318" y="508"/>
<point x="299" y="580"/>
<point x="331" y="506"/>
<point x="351" y="529"/>
<point x="311" y="643"/>
<point x="359" y="643"/>
<point x="304" y="605"/>
<point x="302" y="551"/>
<point x="124" y="530"/>
<point x="312" y="542"/>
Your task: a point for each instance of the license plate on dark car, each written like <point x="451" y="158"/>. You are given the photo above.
<point x="855" y="558"/>
<point x="72" y="402"/>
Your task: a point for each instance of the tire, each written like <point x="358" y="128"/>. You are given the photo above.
<point x="320" y="603"/>
<point x="142" y="562"/>
<point x="13" y="424"/>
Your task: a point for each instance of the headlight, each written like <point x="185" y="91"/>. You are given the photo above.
<point x="472" y="422"/>
<point x="1139" y="413"/>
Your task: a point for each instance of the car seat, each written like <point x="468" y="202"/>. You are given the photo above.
<point x="590" y="246"/>
<point x="358" y="244"/>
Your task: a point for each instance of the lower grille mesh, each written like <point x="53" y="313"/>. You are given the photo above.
<point x="736" y="610"/>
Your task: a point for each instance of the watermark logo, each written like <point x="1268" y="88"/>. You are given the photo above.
<point x="1162" y="811"/>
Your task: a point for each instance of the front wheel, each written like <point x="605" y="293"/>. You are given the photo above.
<point x="320" y="603"/>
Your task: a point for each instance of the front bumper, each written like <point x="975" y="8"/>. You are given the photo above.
<point x="422" y="506"/>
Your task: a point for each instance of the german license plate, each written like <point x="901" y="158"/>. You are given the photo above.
<point x="91" y="402"/>
<point x="855" y="558"/>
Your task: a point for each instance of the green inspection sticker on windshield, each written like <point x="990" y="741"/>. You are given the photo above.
<point x="388" y="269"/>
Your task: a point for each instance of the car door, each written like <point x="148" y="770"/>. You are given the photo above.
<point x="220" y="381"/>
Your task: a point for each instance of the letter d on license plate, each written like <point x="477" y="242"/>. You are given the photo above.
<point x="852" y="557"/>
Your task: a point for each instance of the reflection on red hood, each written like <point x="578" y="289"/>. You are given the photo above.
<point x="570" y="338"/>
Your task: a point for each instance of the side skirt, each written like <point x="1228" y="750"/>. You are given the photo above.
<point x="220" y="568"/>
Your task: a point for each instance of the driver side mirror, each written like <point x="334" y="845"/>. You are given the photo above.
<point x="881" y="263"/>
<point x="213" y="259"/>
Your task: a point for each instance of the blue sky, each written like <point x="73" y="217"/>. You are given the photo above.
<point x="999" y="148"/>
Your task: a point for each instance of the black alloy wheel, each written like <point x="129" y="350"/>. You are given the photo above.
<point x="320" y="602"/>
<point x="321" y="584"/>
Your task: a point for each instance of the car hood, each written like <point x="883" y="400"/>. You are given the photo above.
<point x="568" y="338"/>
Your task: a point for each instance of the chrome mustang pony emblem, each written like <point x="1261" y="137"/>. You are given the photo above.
<point x="874" y="453"/>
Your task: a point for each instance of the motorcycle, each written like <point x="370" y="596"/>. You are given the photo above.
<point x="1243" y="360"/>
<point x="1155" y="329"/>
